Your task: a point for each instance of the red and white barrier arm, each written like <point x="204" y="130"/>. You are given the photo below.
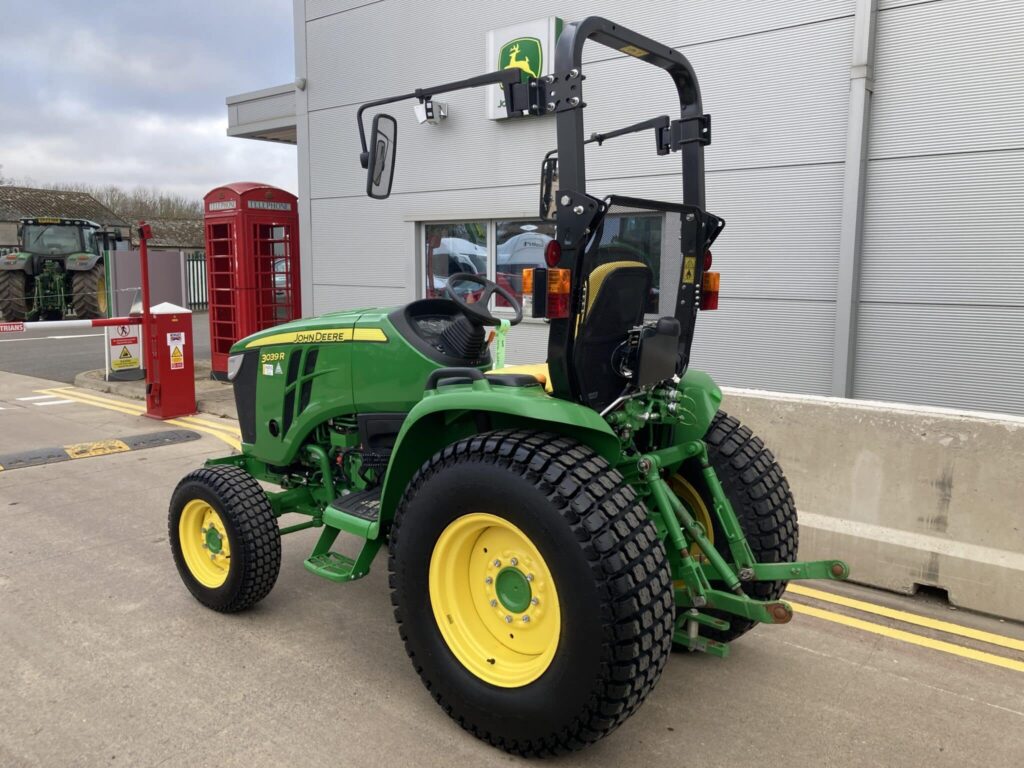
<point x="56" y="325"/>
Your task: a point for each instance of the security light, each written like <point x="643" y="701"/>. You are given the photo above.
<point x="430" y="111"/>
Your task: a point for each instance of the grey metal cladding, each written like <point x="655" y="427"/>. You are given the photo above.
<point x="941" y="314"/>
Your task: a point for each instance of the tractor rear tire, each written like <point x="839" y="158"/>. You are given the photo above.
<point x="759" y="493"/>
<point x="15" y="295"/>
<point x="224" y="537"/>
<point x="89" y="292"/>
<point x="576" y="550"/>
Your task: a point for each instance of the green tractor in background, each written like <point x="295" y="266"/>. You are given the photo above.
<point x="58" y="270"/>
<point x="554" y="531"/>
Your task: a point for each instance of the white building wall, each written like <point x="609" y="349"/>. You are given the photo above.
<point x="775" y="78"/>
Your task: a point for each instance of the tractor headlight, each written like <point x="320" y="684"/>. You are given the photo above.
<point x="234" y="366"/>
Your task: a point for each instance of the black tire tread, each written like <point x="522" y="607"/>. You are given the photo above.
<point x="13" y="301"/>
<point x="627" y="559"/>
<point x="244" y="501"/>
<point x="85" y="292"/>
<point x="763" y="502"/>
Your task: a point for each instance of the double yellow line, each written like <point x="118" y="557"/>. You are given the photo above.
<point x="906" y="617"/>
<point x="225" y="432"/>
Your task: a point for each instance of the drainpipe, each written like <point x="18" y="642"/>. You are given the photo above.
<point x="862" y="85"/>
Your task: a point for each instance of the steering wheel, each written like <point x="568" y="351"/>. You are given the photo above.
<point x="477" y="311"/>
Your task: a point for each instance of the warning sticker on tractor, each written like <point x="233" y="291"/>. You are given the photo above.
<point x="268" y="369"/>
<point x="689" y="269"/>
<point x="177" y="358"/>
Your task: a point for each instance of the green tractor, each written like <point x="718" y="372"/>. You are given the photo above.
<point x="554" y="531"/>
<point x="57" y="270"/>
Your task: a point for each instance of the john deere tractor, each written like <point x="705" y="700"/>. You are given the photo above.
<point x="58" y="270"/>
<point x="554" y="530"/>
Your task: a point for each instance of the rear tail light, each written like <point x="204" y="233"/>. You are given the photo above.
<point x="546" y="292"/>
<point x="553" y="253"/>
<point x="709" y="289"/>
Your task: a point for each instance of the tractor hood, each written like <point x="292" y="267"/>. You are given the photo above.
<point x="335" y="326"/>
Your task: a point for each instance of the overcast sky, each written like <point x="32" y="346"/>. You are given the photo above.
<point x="132" y="93"/>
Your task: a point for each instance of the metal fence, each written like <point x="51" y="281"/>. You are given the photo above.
<point x="195" y="280"/>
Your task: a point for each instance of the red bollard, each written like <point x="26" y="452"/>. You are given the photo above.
<point x="170" y="372"/>
<point x="167" y="348"/>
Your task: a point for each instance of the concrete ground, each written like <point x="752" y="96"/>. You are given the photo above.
<point x="105" y="659"/>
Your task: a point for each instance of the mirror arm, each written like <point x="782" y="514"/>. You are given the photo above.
<point x="503" y="77"/>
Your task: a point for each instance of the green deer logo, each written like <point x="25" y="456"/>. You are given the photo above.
<point x="530" y="50"/>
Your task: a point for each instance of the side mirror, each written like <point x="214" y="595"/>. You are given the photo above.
<point x="380" y="170"/>
<point x="548" y="181"/>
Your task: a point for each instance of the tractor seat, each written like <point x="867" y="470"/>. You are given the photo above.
<point x="622" y="288"/>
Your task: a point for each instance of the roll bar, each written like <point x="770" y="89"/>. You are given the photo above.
<point x="577" y="212"/>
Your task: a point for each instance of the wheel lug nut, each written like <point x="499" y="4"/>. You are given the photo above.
<point x="526" y="619"/>
<point x="508" y="619"/>
<point x="529" y="577"/>
<point x="514" y="561"/>
<point x="497" y="563"/>
<point x="534" y="601"/>
<point x="204" y="545"/>
<point x="488" y="580"/>
<point x="494" y="603"/>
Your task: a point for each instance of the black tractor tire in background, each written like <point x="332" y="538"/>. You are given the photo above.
<point x="605" y="559"/>
<point x="252" y="532"/>
<point x="88" y="292"/>
<point x="757" y="489"/>
<point x="15" y="295"/>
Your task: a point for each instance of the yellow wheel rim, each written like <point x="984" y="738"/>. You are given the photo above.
<point x="204" y="543"/>
<point x="687" y="494"/>
<point x="101" y="295"/>
<point x="494" y="600"/>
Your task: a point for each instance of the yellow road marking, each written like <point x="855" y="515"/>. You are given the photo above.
<point x="96" y="448"/>
<point x="101" y="402"/>
<point x="228" y="428"/>
<point x="910" y="637"/>
<point x="232" y="441"/>
<point x="909" y="618"/>
<point x="196" y="421"/>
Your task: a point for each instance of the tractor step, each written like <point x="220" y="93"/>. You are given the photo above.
<point x="354" y="512"/>
<point x="333" y="566"/>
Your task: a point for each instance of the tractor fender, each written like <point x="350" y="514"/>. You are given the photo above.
<point x="81" y="262"/>
<point x="16" y="262"/>
<point x="454" y="412"/>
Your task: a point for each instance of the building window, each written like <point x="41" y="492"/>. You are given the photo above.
<point x="500" y="250"/>
<point x="452" y="248"/>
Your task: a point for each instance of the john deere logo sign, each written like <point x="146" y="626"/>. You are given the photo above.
<point x="528" y="47"/>
<point x="523" y="53"/>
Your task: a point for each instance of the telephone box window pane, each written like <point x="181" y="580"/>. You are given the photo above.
<point x="452" y="248"/>
<point x="519" y="245"/>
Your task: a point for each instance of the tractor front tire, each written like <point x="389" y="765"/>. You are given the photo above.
<point x="15" y="295"/>
<point x="531" y="590"/>
<point x="760" y="496"/>
<point x="89" y="292"/>
<point x="224" y="537"/>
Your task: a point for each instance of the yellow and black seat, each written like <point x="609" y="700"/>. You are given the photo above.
<point x="616" y="295"/>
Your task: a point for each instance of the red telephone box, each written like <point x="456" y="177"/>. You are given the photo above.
<point x="252" y="263"/>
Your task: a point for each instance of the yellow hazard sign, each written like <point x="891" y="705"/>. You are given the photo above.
<point x="125" y="360"/>
<point x="177" y="358"/>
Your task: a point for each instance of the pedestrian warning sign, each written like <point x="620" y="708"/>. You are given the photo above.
<point x="124" y="349"/>
<point x="177" y="359"/>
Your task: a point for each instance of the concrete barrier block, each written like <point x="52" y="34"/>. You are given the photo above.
<point x="907" y="495"/>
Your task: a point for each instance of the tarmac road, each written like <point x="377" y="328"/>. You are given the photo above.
<point x="61" y="355"/>
<point x="105" y="659"/>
